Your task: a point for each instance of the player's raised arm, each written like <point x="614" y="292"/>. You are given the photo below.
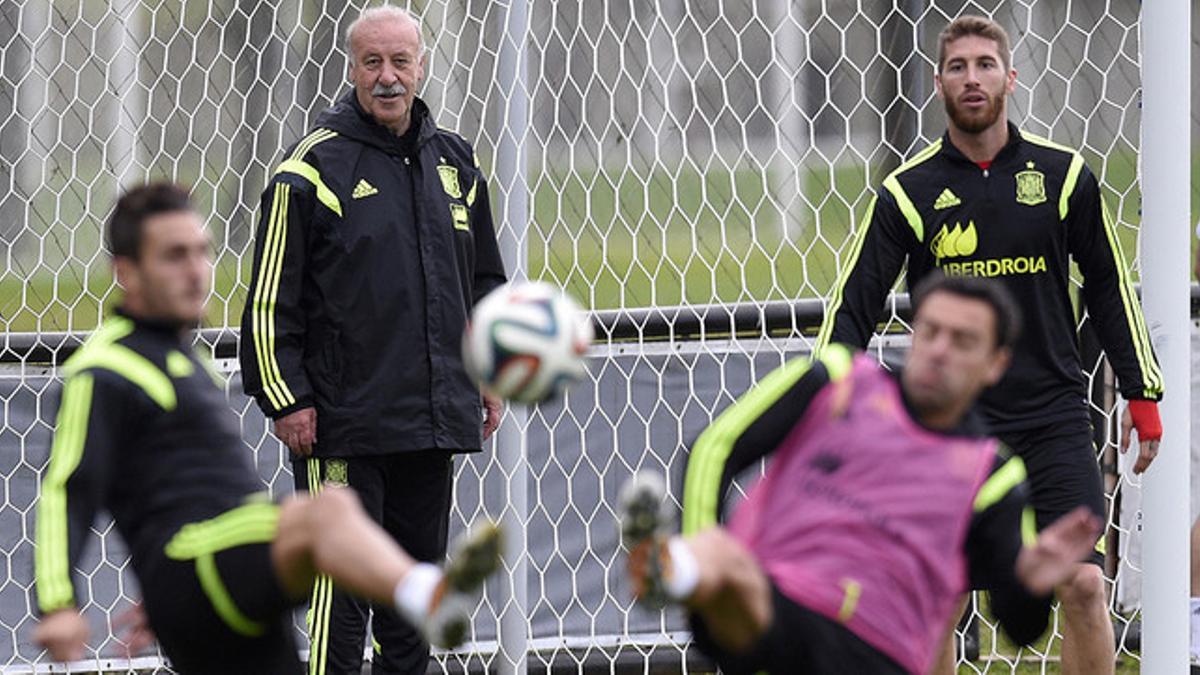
<point x="750" y="429"/>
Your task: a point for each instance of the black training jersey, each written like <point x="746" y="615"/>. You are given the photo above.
<point x="143" y="431"/>
<point x="1021" y="220"/>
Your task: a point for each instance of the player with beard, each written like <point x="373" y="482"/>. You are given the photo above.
<point x="989" y="200"/>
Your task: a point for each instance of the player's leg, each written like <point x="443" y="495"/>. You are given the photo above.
<point x="1088" y="643"/>
<point x="330" y="534"/>
<point x="213" y="598"/>
<point x="337" y="619"/>
<point x="711" y="573"/>
<point x="738" y="616"/>
<point x="947" y="659"/>
<point x="416" y="513"/>
<point x="1063" y="473"/>
<point x="732" y="594"/>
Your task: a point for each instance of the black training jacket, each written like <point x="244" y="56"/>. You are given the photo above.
<point x="1022" y="221"/>
<point x="370" y="253"/>
<point x="143" y="431"/>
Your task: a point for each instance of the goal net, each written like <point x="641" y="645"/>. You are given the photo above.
<point x="693" y="157"/>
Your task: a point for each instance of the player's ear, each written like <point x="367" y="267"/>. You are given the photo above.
<point x="124" y="272"/>
<point x="1012" y="81"/>
<point x="1001" y="357"/>
<point x="937" y="84"/>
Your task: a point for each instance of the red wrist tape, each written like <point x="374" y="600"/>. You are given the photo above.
<point x="1146" y="420"/>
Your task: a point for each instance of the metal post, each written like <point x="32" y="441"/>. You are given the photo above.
<point x="512" y="188"/>
<point x="1166" y="244"/>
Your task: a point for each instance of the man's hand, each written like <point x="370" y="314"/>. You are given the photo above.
<point x="494" y="408"/>
<point x="1142" y="416"/>
<point x="135" y="630"/>
<point x="298" y="431"/>
<point x="63" y="633"/>
<point x="1052" y="559"/>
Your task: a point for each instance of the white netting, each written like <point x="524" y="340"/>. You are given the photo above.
<point x="642" y="154"/>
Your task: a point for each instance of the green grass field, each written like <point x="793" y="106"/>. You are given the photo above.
<point x="613" y="238"/>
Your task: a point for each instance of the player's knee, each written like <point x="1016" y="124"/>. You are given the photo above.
<point x="1083" y="589"/>
<point x="333" y="505"/>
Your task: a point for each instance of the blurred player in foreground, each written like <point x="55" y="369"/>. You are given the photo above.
<point x="145" y="432"/>
<point x="882" y="502"/>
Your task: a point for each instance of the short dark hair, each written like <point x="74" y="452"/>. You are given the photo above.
<point x="969" y="24"/>
<point x="1004" y="307"/>
<point x="124" y="229"/>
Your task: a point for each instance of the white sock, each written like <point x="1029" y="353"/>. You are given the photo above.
<point x="414" y="593"/>
<point x="685" y="570"/>
<point x="1195" y="646"/>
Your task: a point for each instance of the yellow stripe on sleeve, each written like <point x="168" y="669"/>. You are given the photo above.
<point x="52" y="553"/>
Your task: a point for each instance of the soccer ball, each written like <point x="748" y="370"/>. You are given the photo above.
<point x="525" y="341"/>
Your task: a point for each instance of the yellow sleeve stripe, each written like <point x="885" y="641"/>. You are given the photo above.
<point x="835" y="303"/>
<point x="52" y="553"/>
<point x="1028" y="526"/>
<point x="1151" y="375"/>
<point x="1000" y="483"/>
<point x="266" y="292"/>
<point x="702" y="484"/>
<point x="309" y="173"/>
<point x="906" y="206"/>
<point x="1064" y="200"/>
<point x="310" y="141"/>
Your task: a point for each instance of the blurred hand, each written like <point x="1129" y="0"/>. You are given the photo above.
<point x="1052" y="559"/>
<point x="63" y="633"/>
<point x="134" y="629"/>
<point x="1142" y="416"/>
<point x="298" y="431"/>
<point x="494" y="408"/>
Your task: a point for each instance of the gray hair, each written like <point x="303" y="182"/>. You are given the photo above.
<point x="383" y="12"/>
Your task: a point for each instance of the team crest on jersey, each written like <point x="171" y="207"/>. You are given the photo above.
<point x="449" y="176"/>
<point x="1031" y="186"/>
<point x="335" y="472"/>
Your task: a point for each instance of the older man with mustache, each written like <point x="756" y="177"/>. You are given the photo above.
<point x="375" y="241"/>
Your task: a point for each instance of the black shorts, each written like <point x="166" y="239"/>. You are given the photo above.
<point x="1063" y="470"/>
<point x="214" y="602"/>
<point x="799" y="640"/>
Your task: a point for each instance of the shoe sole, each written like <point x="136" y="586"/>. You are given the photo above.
<point x="641" y="504"/>
<point x="644" y="521"/>
<point x="475" y="556"/>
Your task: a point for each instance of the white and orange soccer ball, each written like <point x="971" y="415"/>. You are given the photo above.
<point x="526" y="341"/>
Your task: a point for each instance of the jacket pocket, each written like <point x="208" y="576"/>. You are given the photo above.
<point x="326" y="366"/>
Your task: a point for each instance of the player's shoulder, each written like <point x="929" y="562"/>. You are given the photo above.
<point x="1050" y="153"/>
<point x="118" y="357"/>
<point x="833" y="362"/>
<point x="1004" y="459"/>
<point x="316" y="145"/>
<point x="923" y="161"/>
